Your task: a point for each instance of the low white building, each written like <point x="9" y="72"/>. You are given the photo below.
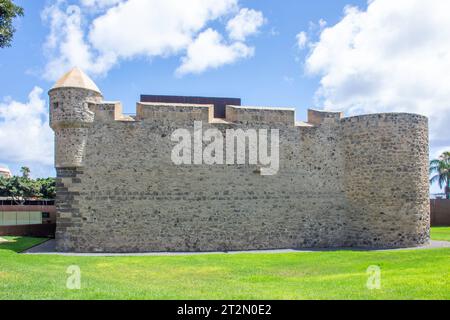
<point x="5" y="172"/>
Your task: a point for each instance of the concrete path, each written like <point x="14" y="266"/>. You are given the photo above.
<point x="48" y="248"/>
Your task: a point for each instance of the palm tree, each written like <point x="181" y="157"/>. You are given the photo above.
<point x="441" y="170"/>
<point x="25" y="172"/>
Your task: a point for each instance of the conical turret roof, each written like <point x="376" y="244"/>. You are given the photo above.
<point x="76" y="78"/>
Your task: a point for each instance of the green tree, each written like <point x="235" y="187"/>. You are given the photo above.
<point x="3" y="186"/>
<point x="21" y="189"/>
<point x="440" y="168"/>
<point x="47" y="188"/>
<point x="25" y="172"/>
<point x="8" y="11"/>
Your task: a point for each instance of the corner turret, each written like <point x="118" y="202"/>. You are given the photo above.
<point x="71" y="116"/>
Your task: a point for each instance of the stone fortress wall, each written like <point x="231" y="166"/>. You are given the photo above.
<point x="359" y="181"/>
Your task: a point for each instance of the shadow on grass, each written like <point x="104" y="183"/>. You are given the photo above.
<point x="19" y="244"/>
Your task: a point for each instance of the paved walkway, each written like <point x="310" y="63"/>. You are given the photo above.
<point x="48" y="247"/>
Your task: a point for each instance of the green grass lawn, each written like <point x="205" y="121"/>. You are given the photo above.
<point x="415" y="274"/>
<point x="19" y="244"/>
<point x="440" y="233"/>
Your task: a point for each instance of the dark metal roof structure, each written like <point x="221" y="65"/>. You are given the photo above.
<point x="219" y="103"/>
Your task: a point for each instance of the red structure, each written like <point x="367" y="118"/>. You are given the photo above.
<point x="35" y="218"/>
<point x="219" y="103"/>
<point x="440" y="212"/>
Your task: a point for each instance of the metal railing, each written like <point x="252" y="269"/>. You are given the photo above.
<point x="29" y="202"/>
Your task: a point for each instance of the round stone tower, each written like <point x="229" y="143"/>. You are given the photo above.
<point x="386" y="180"/>
<point x="70" y="116"/>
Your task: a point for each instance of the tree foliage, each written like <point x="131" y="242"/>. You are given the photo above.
<point x="47" y="188"/>
<point x="23" y="188"/>
<point x="25" y="172"/>
<point x="8" y="11"/>
<point x="440" y="169"/>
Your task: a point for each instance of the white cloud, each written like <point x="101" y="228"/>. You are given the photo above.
<point x="154" y="27"/>
<point x="125" y="29"/>
<point x="244" y="24"/>
<point x="302" y="40"/>
<point x="395" y="56"/>
<point x="274" y="32"/>
<point x="100" y="3"/>
<point x="66" y="46"/>
<point x="209" y="51"/>
<point x="322" y="24"/>
<point x="288" y="79"/>
<point x="25" y="135"/>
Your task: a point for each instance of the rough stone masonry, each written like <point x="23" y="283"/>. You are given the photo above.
<point x="342" y="182"/>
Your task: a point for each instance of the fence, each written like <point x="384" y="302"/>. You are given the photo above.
<point x="30" y="230"/>
<point x="34" y="218"/>
<point x="440" y="212"/>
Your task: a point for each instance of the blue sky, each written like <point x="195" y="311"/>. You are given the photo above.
<point x="271" y="77"/>
<point x="331" y="67"/>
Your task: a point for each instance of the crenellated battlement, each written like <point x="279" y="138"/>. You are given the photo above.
<point x="173" y="112"/>
<point x="110" y="111"/>
<point x="181" y="112"/>
<point x="186" y="112"/>
<point x="318" y="117"/>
